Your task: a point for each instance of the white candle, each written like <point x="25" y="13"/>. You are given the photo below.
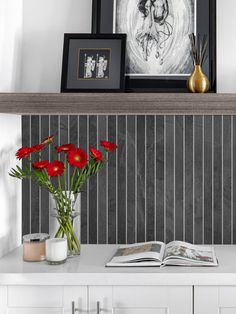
<point x="56" y="251"/>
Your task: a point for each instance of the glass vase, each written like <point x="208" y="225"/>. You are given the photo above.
<point x="66" y="211"/>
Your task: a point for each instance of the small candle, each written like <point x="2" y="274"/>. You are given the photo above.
<point x="34" y="247"/>
<point x="56" y="251"/>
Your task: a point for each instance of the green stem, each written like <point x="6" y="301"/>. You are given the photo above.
<point x="65" y="174"/>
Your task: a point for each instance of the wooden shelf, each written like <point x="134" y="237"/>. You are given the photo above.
<point x="119" y="103"/>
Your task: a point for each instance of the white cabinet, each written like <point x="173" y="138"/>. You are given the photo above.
<point x="96" y="299"/>
<point x="42" y="299"/>
<point x="141" y="300"/>
<point x="215" y="300"/>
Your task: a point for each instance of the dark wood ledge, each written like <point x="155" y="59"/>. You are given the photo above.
<point x="120" y="103"/>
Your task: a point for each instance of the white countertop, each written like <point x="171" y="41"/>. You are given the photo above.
<point x="89" y="269"/>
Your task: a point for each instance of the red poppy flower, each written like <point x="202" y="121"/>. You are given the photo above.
<point x="48" y="140"/>
<point x="109" y="147"/>
<point x="40" y="165"/>
<point x="55" y="168"/>
<point x="96" y="154"/>
<point x="23" y="152"/>
<point x="77" y="158"/>
<point x="64" y="148"/>
<point x="37" y="148"/>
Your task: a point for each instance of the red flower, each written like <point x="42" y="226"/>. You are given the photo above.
<point x="65" y="148"/>
<point x="48" y="140"/>
<point x="77" y="158"/>
<point x="96" y="154"/>
<point x="40" y="165"/>
<point x="55" y="168"/>
<point x="23" y="152"/>
<point x="109" y="147"/>
<point x="37" y="148"/>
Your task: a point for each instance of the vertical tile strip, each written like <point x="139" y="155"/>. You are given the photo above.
<point x="160" y="182"/>
<point x="226" y="181"/>
<point x="169" y="178"/>
<point x="102" y="193"/>
<point x="141" y="178"/>
<point x="121" y="188"/>
<point x="34" y="193"/>
<point x="150" y="178"/>
<point x="112" y="183"/>
<point x="184" y="185"/>
<point x="203" y="176"/>
<point x="136" y="180"/>
<point x="198" y="178"/>
<point x="208" y="179"/>
<point x="179" y="179"/>
<point x="212" y="182"/>
<point x="44" y="193"/>
<point x="25" y="183"/>
<point x="165" y="238"/>
<point x="92" y="136"/>
<point x="218" y="179"/>
<point x="234" y="179"/>
<point x="131" y="199"/>
<point x="189" y="178"/>
<point x="82" y="141"/>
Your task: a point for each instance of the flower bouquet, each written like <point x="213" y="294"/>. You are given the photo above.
<point x="69" y="160"/>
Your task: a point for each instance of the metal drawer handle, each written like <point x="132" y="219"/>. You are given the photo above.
<point x="73" y="308"/>
<point x="98" y="307"/>
<point x="99" y="310"/>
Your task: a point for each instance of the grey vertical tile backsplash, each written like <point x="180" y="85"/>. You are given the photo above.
<point x="172" y="178"/>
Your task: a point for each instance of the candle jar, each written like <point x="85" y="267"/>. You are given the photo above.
<point x="34" y="247"/>
<point x="56" y="251"/>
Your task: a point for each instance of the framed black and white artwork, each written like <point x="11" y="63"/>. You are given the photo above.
<point x="158" y="46"/>
<point x="93" y="63"/>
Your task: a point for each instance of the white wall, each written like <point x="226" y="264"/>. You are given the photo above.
<point x="11" y="18"/>
<point x="10" y="188"/>
<point x="226" y="46"/>
<point x="44" y="24"/>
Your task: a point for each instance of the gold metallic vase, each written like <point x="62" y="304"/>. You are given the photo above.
<point x="198" y="81"/>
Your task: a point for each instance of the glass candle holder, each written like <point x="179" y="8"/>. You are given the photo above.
<point x="34" y="247"/>
<point x="56" y="251"/>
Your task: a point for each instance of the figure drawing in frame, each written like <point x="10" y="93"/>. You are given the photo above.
<point x="93" y="64"/>
<point x="157" y="35"/>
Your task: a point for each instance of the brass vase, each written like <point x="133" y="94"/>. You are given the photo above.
<point x="198" y="81"/>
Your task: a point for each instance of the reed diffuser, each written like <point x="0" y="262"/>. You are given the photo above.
<point x="198" y="81"/>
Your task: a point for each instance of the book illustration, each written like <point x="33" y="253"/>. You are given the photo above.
<point x="151" y="247"/>
<point x="182" y="251"/>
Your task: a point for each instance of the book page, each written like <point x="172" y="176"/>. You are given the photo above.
<point x="149" y="251"/>
<point x="196" y="254"/>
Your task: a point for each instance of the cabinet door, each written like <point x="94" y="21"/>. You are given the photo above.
<point x="141" y="300"/>
<point x="42" y="299"/>
<point x="215" y="300"/>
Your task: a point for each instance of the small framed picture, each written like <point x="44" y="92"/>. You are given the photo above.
<point x="93" y="63"/>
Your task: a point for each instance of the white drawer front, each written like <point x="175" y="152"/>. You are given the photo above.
<point x="34" y="311"/>
<point x="227" y="311"/>
<point x="135" y="297"/>
<point x="227" y="297"/>
<point x="140" y="311"/>
<point x="152" y="300"/>
<point x="35" y="296"/>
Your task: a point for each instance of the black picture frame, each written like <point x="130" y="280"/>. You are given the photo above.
<point x="102" y="22"/>
<point x="77" y="47"/>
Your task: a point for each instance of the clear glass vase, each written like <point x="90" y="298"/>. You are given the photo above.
<point x="66" y="211"/>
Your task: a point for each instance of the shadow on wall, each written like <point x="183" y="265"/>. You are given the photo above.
<point x="10" y="190"/>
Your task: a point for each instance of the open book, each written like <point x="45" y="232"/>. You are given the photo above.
<point x="160" y="254"/>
